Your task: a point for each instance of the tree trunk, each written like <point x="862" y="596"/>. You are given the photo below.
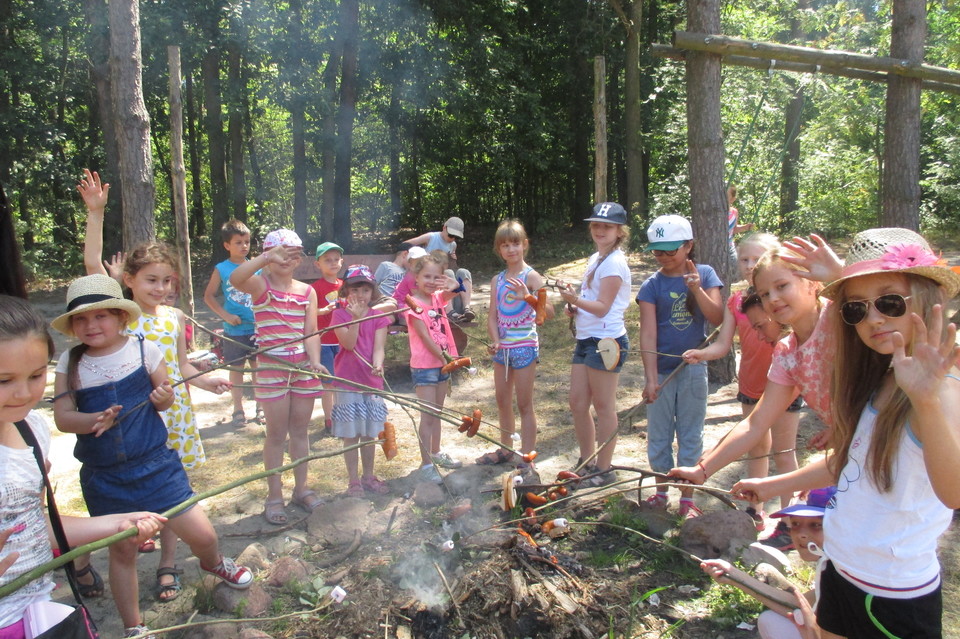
<point x="632" y="121"/>
<point x="198" y="224"/>
<point x="178" y="179"/>
<point x="258" y="188"/>
<point x="708" y="201"/>
<point x="393" y="122"/>
<point x="238" y="181"/>
<point x="328" y="137"/>
<point x="599" y="129"/>
<point x="210" y="69"/>
<point x="350" y="28"/>
<point x="901" y="175"/>
<point x="133" y="123"/>
<point x="298" y="120"/>
<point x="789" y="169"/>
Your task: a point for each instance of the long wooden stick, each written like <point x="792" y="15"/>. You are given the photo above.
<point x="55" y="563"/>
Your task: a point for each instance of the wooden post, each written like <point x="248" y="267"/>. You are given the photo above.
<point x="179" y="180"/>
<point x="600" y="128"/>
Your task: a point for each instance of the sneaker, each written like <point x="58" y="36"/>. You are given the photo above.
<point x="759" y="518"/>
<point x="657" y="500"/>
<point x="374" y="485"/>
<point x="444" y="460"/>
<point x="137" y="631"/>
<point x="779" y="539"/>
<point x="431" y="474"/>
<point x="689" y="510"/>
<point x="597" y="481"/>
<point x="233" y="575"/>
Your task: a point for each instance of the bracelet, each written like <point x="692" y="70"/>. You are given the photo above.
<point x="706" y="475"/>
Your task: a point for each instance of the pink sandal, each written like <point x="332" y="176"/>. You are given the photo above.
<point x="374" y="485"/>
<point x="355" y="489"/>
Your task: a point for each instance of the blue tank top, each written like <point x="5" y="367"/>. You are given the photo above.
<point x="235" y="302"/>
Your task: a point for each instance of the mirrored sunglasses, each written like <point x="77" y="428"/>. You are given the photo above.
<point x="891" y="305"/>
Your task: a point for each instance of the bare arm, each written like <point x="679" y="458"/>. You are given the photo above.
<point x="207" y="382"/>
<point x="379" y="350"/>
<point x="210" y="298"/>
<point x="814" y="475"/>
<point x="609" y="286"/>
<point x="162" y="394"/>
<point x="535" y="283"/>
<point x="69" y="420"/>
<point x="420" y="240"/>
<point x="720" y="347"/>
<point x="312" y="343"/>
<point x="493" y="328"/>
<point x="85" y="530"/>
<point x="94" y="195"/>
<point x="648" y="344"/>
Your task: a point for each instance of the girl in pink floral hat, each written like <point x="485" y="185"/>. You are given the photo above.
<point x="895" y="395"/>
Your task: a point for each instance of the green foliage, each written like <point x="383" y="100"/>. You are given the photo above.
<point x="728" y="606"/>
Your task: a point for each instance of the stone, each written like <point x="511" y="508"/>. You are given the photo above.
<point x="253" y="633"/>
<point x="255" y="557"/>
<point x="335" y="523"/>
<point x="756" y="553"/>
<point x="717" y="533"/>
<point x="225" y="630"/>
<point x="427" y="494"/>
<point x="285" y="570"/>
<point x="252" y="602"/>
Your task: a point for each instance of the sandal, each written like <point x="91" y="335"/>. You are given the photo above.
<point x="308" y="501"/>
<point x="259" y="417"/>
<point x="494" y="457"/>
<point x="273" y="512"/>
<point x="375" y="485"/>
<point x="90" y="591"/>
<point x="238" y="417"/>
<point x="355" y="489"/>
<point x="148" y="546"/>
<point x="170" y="591"/>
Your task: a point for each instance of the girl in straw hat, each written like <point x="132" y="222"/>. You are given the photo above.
<point x="101" y="386"/>
<point x="895" y="389"/>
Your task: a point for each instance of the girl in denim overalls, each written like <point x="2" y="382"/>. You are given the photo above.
<point x="100" y="386"/>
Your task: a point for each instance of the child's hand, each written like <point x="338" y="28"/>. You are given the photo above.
<point x="692" y="474"/>
<point x="450" y="283"/>
<point x="283" y="254"/>
<point x="567" y="292"/>
<point x="692" y="277"/>
<point x="752" y="490"/>
<point x="11" y="558"/>
<point x="518" y="286"/>
<point x="804" y="617"/>
<point x="114" y="266"/>
<point x="317" y="367"/>
<point x="162" y="396"/>
<point x="821" y="440"/>
<point x="94" y="193"/>
<point x="148" y="525"/>
<point x="105" y="420"/>
<point x="493" y="347"/>
<point x="717" y="569"/>
<point x="233" y="320"/>
<point x="693" y="356"/>
<point x="376" y="371"/>
<point x="218" y="385"/>
<point x="356" y="308"/>
<point x="814" y="255"/>
<point x="650" y="392"/>
<point x="921" y="373"/>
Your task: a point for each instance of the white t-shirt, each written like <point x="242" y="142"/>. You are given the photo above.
<point x="21" y="489"/>
<point x="611" y="324"/>
<point x="98" y="371"/>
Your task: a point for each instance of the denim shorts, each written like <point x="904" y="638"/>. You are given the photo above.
<point x="794" y="406"/>
<point x="428" y="376"/>
<point x="237" y="348"/>
<point x="327" y="354"/>
<point x="518" y="357"/>
<point x="585" y="352"/>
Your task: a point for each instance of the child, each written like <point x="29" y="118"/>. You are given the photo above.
<point x="759" y="334"/>
<point x="805" y="522"/>
<point x="149" y="272"/>
<point x="676" y="303"/>
<point x="598" y="313"/>
<point x="329" y="261"/>
<point x="284" y="309"/>
<point x="430" y="338"/>
<point x="798" y="362"/>
<point x="896" y="392"/>
<point x="408" y="283"/>
<point x="732" y="225"/>
<point x="389" y="274"/>
<point x="236" y="311"/>
<point x="515" y="346"/>
<point x="359" y="416"/>
<point x="126" y="463"/>
<point x="444" y="240"/>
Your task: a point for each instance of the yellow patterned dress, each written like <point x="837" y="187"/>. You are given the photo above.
<point x="163" y="329"/>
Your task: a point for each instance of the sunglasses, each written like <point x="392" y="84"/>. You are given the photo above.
<point x="891" y="305"/>
<point x="659" y="253"/>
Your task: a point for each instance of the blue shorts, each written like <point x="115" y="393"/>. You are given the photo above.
<point x="518" y="357"/>
<point x="327" y="354"/>
<point x="428" y="376"/>
<point x="237" y="348"/>
<point x="794" y="406"/>
<point x="586" y="352"/>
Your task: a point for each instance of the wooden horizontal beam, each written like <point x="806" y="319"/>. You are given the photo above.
<point x="674" y="53"/>
<point x="724" y="45"/>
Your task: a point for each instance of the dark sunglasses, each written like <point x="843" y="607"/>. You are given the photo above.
<point x="658" y="252"/>
<point x="891" y="305"/>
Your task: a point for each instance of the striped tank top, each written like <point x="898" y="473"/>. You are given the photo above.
<point x="280" y="317"/>
<point x="515" y="318"/>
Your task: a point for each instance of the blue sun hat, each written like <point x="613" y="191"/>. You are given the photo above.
<point x="817" y="502"/>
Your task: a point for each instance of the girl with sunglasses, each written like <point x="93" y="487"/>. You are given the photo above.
<point x="896" y="390"/>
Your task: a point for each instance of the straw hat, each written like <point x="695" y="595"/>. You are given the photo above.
<point x="894" y="250"/>
<point x="91" y="293"/>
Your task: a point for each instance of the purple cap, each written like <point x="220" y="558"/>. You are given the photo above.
<point x="816" y="504"/>
<point x="358" y="274"/>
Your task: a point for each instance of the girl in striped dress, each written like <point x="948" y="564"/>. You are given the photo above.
<point x="284" y="310"/>
<point x="515" y="346"/>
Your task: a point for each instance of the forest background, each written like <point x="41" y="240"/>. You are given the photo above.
<point x="350" y="120"/>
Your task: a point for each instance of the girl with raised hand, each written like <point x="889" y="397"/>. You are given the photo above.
<point x="285" y="312"/>
<point x="896" y="394"/>
<point x="110" y="389"/>
<point x="676" y="303"/>
<point x="515" y="345"/>
<point x="598" y="312"/>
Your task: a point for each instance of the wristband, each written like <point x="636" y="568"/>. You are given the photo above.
<point x="459" y="289"/>
<point x="706" y="475"/>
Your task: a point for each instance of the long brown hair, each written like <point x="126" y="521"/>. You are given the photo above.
<point x="858" y="372"/>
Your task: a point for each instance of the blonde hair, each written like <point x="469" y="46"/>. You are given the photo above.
<point x="437" y="257"/>
<point x="858" y="371"/>
<point x="623" y="236"/>
<point x="510" y="231"/>
<point x="766" y="241"/>
<point x="773" y="258"/>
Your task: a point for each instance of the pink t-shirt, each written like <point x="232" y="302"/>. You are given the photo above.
<point x="438" y="329"/>
<point x="326" y="293"/>
<point x="807" y="366"/>
<point x="347" y="364"/>
<point x="407" y="284"/>
<point x="755" y="353"/>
